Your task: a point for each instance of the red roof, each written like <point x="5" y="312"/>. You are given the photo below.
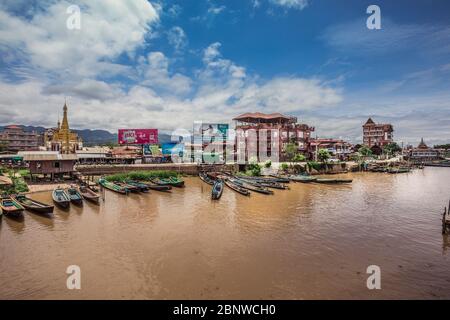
<point x="369" y="121"/>
<point x="12" y="126"/>
<point x="259" y="115"/>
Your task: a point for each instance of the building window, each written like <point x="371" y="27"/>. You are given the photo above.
<point x="56" y="165"/>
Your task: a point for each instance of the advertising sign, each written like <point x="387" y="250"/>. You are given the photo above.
<point x="210" y="132"/>
<point x="169" y="149"/>
<point x="138" y="136"/>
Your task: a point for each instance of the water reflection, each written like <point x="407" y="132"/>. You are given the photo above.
<point x="16" y="224"/>
<point x="44" y="219"/>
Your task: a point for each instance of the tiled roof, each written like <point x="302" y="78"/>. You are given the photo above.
<point x="259" y="115"/>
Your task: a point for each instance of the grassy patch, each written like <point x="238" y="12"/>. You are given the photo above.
<point x="141" y="175"/>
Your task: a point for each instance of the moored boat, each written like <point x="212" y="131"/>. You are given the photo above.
<point x="89" y="194"/>
<point x="399" y="170"/>
<point x="141" y="186"/>
<point x="177" y="182"/>
<point x="172" y="181"/>
<point x="236" y="187"/>
<point x="61" y="198"/>
<point x="112" y="186"/>
<point x="75" y="196"/>
<point x="251" y="187"/>
<point x="217" y="189"/>
<point x="157" y="187"/>
<point x="333" y="181"/>
<point x="265" y="183"/>
<point x="10" y="207"/>
<point x="127" y="186"/>
<point x="205" y="178"/>
<point x="302" y="178"/>
<point x="33" y="205"/>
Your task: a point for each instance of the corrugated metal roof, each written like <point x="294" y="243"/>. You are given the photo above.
<point x="91" y="155"/>
<point x="46" y="156"/>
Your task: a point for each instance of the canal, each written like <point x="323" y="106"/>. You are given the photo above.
<point x="310" y="242"/>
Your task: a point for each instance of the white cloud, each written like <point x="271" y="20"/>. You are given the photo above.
<point x="160" y="98"/>
<point x="156" y="75"/>
<point x="291" y="4"/>
<point x="177" y="38"/>
<point x="108" y="29"/>
<point x="174" y="11"/>
<point x="216" y="10"/>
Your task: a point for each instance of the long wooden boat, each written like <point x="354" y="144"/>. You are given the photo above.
<point x="75" y="196"/>
<point x="10" y="207"/>
<point x="236" y="187"/>
<point x="61" y="198"/>
<point x="265" y="183"/>
<point x="172" y="181"/>
<point x="217" y="189"/>
<point x="89" y="194"/>
<point x="302" y="178"/>
<point x="251" y="187"/>
<point x="33" y="205"/>
<point x="204" y="177"/>
<point x="127" y="186"/>
<point x="112" y="186"/>
<point x="177" y="182"/>
<point x="333" y="181"/>
<point x="399" y="170"/>
<point x="141" y="186"/>
<point x="157" y="187"/>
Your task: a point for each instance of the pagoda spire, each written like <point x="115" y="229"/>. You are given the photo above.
<point x="65" y="122"/>
<point x="65" y="131"/>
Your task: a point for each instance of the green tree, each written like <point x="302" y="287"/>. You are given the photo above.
<point x="365" y="151"/>
<point x="291" y="150"/>
<point x="442" y="146"/>
<point x="299" y="158"/>
<point x="323" y="155"/>
<point x="392" y="148"/>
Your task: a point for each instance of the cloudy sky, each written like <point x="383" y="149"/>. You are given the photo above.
<point x="164" y="64"/>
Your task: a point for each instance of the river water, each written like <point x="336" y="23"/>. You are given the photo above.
<point x="311" y="242"/>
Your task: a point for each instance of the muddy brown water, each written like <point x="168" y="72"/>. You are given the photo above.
<point x="311" y="242"/>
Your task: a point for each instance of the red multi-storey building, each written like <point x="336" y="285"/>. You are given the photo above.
<point x="377" y="134"/>
<point x="271" y="132"/>
<point x="17" y="139"/>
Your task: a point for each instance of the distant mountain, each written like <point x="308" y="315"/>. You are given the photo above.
<point x="93" y="137"/>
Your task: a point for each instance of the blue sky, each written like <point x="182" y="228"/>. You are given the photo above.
<point x="165" y="64"/>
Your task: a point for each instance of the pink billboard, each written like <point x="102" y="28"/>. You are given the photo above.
<point x="138" y="136"/>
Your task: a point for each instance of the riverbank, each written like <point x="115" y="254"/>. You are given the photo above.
<point x="34" y="188"/>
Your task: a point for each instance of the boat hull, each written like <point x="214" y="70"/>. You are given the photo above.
<point x="61" y="199"/>
<point x="217" y="190"/>
<point x="33" y="205"/>
<point x="237" y="188"/>
<point x="333" y="181"/>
